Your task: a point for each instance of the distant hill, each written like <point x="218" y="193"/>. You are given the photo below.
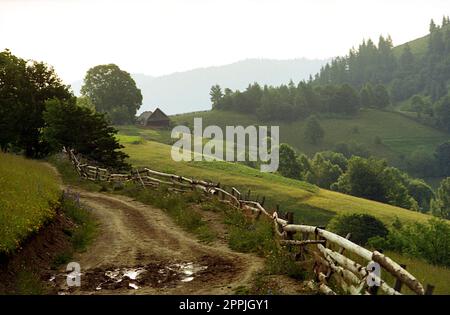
<point x="399" y="136"/>
<point x="188" y="91"/>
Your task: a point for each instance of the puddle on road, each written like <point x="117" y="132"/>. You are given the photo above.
<point x="153" y="275"/>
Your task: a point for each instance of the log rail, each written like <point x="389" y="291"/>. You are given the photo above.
<point x="334" y="271"/>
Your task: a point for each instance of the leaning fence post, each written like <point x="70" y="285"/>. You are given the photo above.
<point x="341" y="250"/>
<point x="290" y="220"/>
<point x="398" y="282"/>
<point x="262" y="201"/>
<point x="429" y="290"/>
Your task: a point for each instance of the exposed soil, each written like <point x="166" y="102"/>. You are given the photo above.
<point x="140" y="250"/>
<point x="37" y="254"/>
<point x="138" y="236"/>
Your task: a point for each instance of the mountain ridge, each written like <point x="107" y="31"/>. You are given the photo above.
<point x="187" y="91"/>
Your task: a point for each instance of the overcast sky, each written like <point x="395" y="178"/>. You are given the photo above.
<point x="164" y="36"/>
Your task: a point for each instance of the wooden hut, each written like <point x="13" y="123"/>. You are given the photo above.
<point x="155" y="119"/>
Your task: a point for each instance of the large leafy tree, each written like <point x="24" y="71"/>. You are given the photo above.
<point x="25" y="86"/>
<point x="361" y="226"/>
<point x="88" y="132"/>
<point x="112" y="91"/>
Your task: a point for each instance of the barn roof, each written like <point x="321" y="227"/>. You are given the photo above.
<point x="144" y="116"/>
<point x="157" y="115"/>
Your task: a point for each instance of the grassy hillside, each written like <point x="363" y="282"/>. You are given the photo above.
<point x="311" y="204"/>
<point x="28" y="193"/>
<point x="419" y="46"/>
<point x="400" y="136"/>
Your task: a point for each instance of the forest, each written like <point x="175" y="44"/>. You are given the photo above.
<point x="373" y="76"/>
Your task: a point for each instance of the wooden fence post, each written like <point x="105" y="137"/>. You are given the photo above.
<point x="429" y="290"/>
<point x="290" y="220"/>
<point x="341" y="250"/>
<point x="398" y="282"/>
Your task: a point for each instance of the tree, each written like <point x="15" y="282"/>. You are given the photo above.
<point x="406" y="61"/>
<point x="361" y="226"/>
<point x="216" y="96"/>
<point x="313" y="131"/>
<point x="433" y="26"/>
<point x="84" y="101"/>
<point x="422" y="193"/>
<point x="336" y="158"/>
<point x="363" y="179"/>
<point x="346" y="100"/>
<point x="112" y="91"/>
<point x="366" y="95"/>
<point x="442" y="110"/>
<point x="442" y="156"/>
<point x="84" y="131"/>
<point x="25" y="86"/>
<point x="440" y="206"/>
<point x="430" y="241"/>
<point x="322" y="172"/>
<point x="421" y="163"/>
<point x="381" y="97"/>
<point x="288" y="166"/>
<point x="395" y="186"/>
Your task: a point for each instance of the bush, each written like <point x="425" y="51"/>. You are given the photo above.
<point x="429" y="241"/>
<point x="361" y="226"/>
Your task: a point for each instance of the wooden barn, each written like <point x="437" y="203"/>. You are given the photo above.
<point x="155" y="119"/>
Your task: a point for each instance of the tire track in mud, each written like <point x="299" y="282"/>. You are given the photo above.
<point x="134" y="236"/>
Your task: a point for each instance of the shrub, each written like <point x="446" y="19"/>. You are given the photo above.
<point x="429" y="241"/>
<point x="361" y="226"/>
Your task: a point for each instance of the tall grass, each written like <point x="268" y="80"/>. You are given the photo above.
<point x="29" y="193"/>
<point x="180" y="207"/>
<point x="310" y="204"/>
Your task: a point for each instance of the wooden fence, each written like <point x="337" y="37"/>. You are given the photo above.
<point x="329" y="252"/>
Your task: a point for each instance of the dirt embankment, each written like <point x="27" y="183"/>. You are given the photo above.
<point x="139" y="246"/>
<point x="140" y="250"/>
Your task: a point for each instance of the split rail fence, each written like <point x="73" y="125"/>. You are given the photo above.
<point x="338" y="263"/>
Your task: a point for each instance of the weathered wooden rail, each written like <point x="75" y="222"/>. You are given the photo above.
<point x="329" y="252"/>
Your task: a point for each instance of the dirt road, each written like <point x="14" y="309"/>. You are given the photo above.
<point x="139" y="250"/>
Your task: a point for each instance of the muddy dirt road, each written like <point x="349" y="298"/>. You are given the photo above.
<point x="139" y="250"/>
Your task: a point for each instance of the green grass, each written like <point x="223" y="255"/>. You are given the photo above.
<point x="28" y="283"/>
<point x="419" y="46"/>
<point x="400" y="136"/>
<point x="69" y="175"/>
<point x="310" y="204"/>
<point x="426" y="273"/>
<point x="258" y="237"/>
<point x="180" y="207"/>
<point x="29" y="193"/>
<point x="85" y="230"/>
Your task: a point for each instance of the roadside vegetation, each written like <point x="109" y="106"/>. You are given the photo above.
<point x="310" y="204"/>
<point x="29" y="197"/>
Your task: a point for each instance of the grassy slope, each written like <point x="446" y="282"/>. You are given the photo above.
<point x="400" y="136"/>
<point x="28" y="194"/>
<point x="311" y="204"/>
<point x="419" y="46"/>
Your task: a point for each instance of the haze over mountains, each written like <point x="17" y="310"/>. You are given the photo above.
<point x="188" y="91"/>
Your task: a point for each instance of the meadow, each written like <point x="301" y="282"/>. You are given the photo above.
<point x="29" y="195"/>
<point x="310" y="204"/>
<point x="385" y="134"/>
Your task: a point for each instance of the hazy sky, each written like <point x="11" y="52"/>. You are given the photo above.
<point x="164" y="36"/>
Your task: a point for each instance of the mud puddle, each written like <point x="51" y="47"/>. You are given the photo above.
<point x="155" y="275"/>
